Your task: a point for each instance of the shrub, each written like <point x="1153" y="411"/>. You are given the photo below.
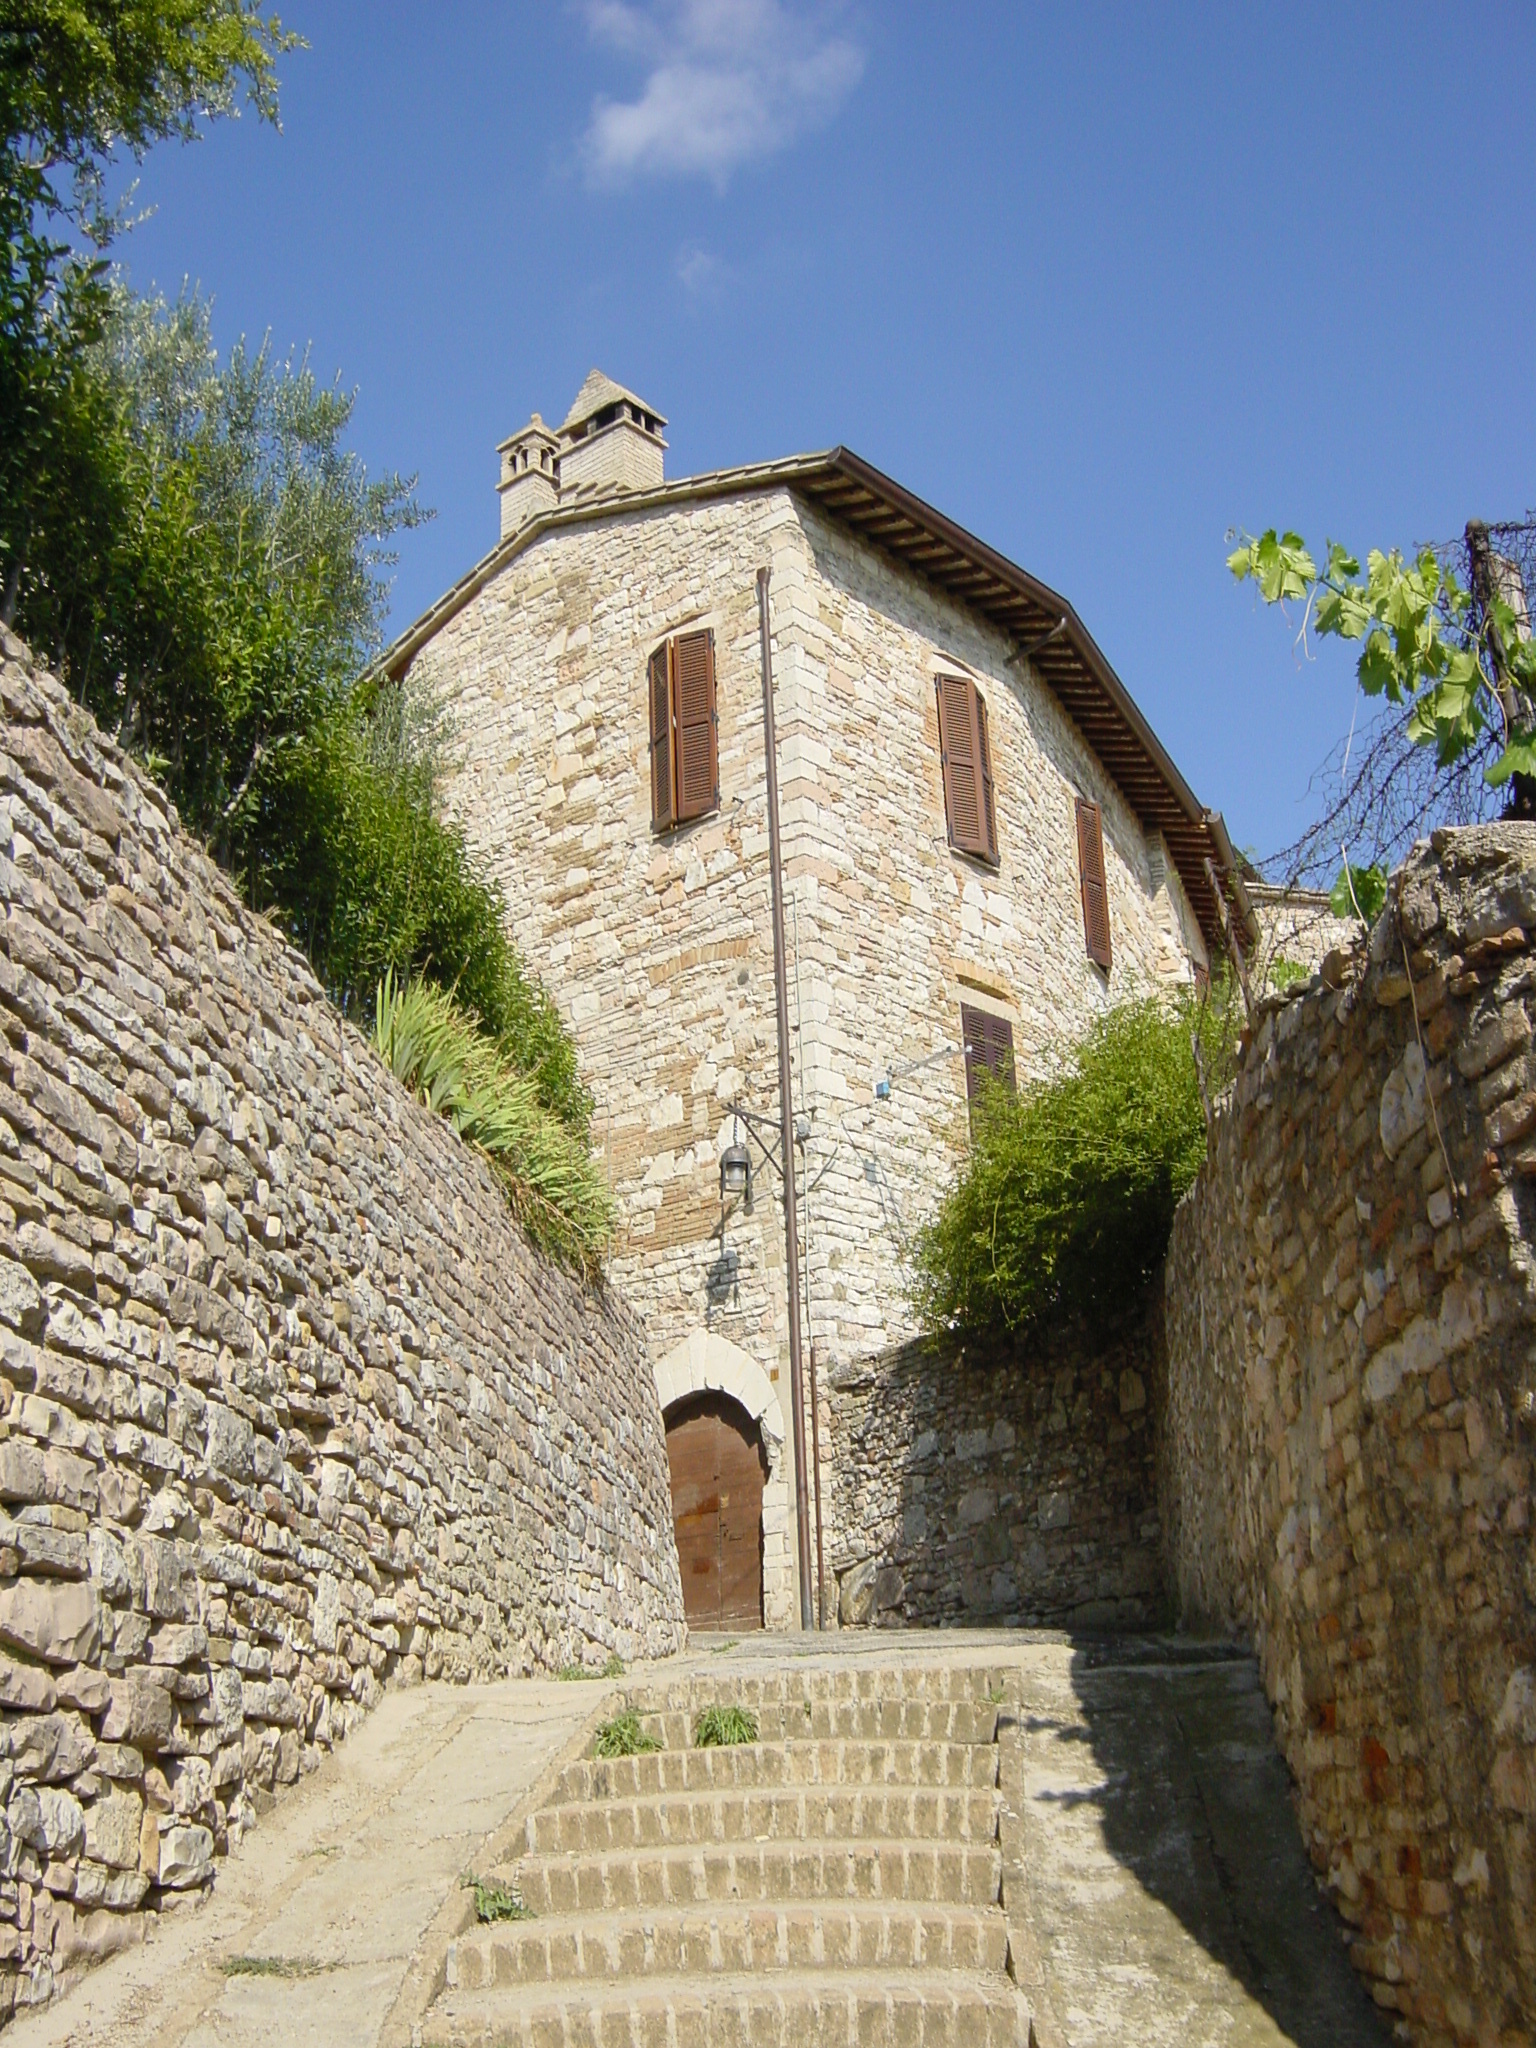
<point x="623" y="1736"/>
<point x="724" y="1727"/>
<point x="1064" y="1205"/>
<point x="553" y="1185"/>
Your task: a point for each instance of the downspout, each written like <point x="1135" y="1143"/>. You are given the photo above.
<point x="786" y="1112"/>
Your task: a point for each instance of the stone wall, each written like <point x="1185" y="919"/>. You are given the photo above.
<point x="1016" y="1488"/>
<point x="288" y="1406"/>
<point x="658" y="948"/>
<point x="1346" y="1463"/>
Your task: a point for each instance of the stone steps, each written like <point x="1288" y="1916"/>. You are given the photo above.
<point x="932" y="1872"/>
<point x="893" y="1720"/>
<point x="767" y="1764"/>
<point x="834" y="1884"/>
<point x="830" y="2009"/>
<point x="805" y="1814"/>
<point x="976" y="1684"/>
<point x="734" y="1938"/>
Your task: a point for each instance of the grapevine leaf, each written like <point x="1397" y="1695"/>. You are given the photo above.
<point x="1378" y="668"/>
<point x="1359" y="892"/>
<point x="1518" y="758"/>
<point x="1342" y="612"/>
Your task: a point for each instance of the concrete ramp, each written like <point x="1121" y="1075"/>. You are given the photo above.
<point x="1157" y="1859"/>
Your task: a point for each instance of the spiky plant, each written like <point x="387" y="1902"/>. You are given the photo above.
<point x="724" y="1727"/>
<point x="552" y="1183"/>
<point x="623" y="1736"/>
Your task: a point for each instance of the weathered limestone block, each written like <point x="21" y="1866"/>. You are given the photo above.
<point x="60" y="1623"/>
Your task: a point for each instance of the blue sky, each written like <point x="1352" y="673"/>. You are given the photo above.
<point x="1099" y="282"/>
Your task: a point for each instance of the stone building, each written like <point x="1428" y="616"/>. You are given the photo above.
<point x="984" y="844"/>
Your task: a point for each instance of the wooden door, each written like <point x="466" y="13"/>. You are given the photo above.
<point x="715" y="1451"/>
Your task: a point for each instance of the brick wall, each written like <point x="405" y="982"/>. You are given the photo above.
<point x="1346" y="1466"/>
<point x="288" y="1406"/>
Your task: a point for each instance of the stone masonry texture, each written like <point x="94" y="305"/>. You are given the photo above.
<point x="658" y="947"/>
<point x="1346" y="1435"/>
<point x="288" y="1405"/>
<point x="1018" y="1487"/>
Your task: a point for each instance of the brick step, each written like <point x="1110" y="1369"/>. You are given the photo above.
<point x="708" y="1940"/>
<point x="805" y="1814"/>
<point x="964" y="1721"/>
<point x="776" y="1872"/>
<point x="759" y="1764"/>
<point x="977" y="1685"/>
<point x="829" y="2010"/>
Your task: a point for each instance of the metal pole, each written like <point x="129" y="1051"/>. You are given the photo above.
<point x="821" y="1567"/>
<point x="786" y="1114"/>
<point x="810" y="1328"/>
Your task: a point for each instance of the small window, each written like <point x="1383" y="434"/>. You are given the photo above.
<point x="966" y="758"/>
<point x="1090" y="865"/>
<point x="685" y="749"/>
<point x="988" y="1050"/>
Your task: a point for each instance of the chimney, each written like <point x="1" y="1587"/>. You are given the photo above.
<point x="530" y="475"/>
<point x="610" y="441"/>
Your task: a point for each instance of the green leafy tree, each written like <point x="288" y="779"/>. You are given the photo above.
<point x="80" y="82"/>
<point x="1457" y="662"/>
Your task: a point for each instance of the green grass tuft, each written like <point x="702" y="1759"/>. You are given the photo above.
<point x="553" y="1185"/>
<point x="724" y="1727"/>
<point x="614" y="1668"/>
<point x="623" y="1736"/>
<point x="496" y="1901"/>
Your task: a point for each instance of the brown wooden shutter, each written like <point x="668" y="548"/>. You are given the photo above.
<point x="698" y="761"/>
<point x="984" y="755"/>
<point x="662" y="777"/>
<point x="1090" y="864"/>
<point x="988" y="1049"/>
<point x="958" y="756"/>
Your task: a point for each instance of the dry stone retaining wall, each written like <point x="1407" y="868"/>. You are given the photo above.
<point x="1346" y="1458"/>
<point x="1017" y="1488"/>
<point x="288" y="1406"/>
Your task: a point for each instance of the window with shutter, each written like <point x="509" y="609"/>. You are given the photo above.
<point x="662" y="778"/>
<point x="1090" y="864"/>
<point x="988" y="1044"/>
<point x="693" y="692"/>
<point x="685" y="751"/>
<point x="969" y="804"/>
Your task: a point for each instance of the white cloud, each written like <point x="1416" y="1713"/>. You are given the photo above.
<point x="701" y="273"/>
<point x="726" y="81"/>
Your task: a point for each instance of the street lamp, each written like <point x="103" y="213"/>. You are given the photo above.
<point x="736" y="1173"/>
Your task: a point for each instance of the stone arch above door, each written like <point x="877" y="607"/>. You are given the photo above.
<point x="707" y="1363"/>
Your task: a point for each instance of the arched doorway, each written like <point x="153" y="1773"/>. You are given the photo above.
<point x="715" y="1451"/>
